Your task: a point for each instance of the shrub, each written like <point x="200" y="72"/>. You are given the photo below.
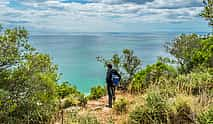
<point x="206" y="117"/>
<point x="183" y="113"/>
<point x="155" y="111"/>
<point x="88" y="118"/>
<point x="97" y="92"/>
<point x="191" y="51"/>
<point x="85" y="118"/>
<point x="151" y="74"/>
<point x="30" y="88"/>
<point x="120" y="106"/>
<point x="66" y="89"/>
<point x="195" y="83"/>
<point x="167" y="87"/>
<point x="82" y="100"/>
<point x="71" y="100"/>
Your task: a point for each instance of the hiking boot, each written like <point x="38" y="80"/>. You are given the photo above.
<point x="109" y="106"/>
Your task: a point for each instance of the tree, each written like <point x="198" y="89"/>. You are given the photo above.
<point x="191" y="51"/>
<point x="127" y="64"/>
<point x="207" y="13"/>
<point x="13" y="47"/>
<point x="182" y="48"/>
<point x="131" y="63"/>
<point x="28" y="81"/>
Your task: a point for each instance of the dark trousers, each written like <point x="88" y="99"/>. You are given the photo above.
<point x="111" y="94"/>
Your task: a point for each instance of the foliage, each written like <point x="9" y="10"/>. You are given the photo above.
<point x="82" y="100"/>
<point x="126" y="64"/>
<point x="184" y="109"/>
<point x="69" y="101"/>
<point x="155" y="111"/>
<point x="70" y="95"/>
<point x="191" y="51"/>
<point x="182" y="48"/>
<point x="195" y="83"/>
<point x="204" y="54"/>
<point x="13" y="47"/>
<point x="207" y="13"/>
<point x="206" y="117"/>
<point x="151" y="74"/>
<point x="184" y="115"/>
<point x="66" y="89"/>
<point x="97" y="92"/>
<point x="74" y="100"/>
<point x="28" y="80"/>
<point x="120" y="105"/>
<point x="131" y="63"/>
<point x="86" y="118"/>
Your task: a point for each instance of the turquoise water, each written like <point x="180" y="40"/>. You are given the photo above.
<point x="75" y="54"/>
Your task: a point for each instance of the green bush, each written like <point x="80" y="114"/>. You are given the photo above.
<point x="191" y="51"/>
<point x="206" y="117"/>
<point x="66" y="89"/>
<point x="167" y="87"/>
<point x="151" y="74"/>
<point x="195" y="83"/>
<point x="184" y="115"/>
<point x="154" y="111"/>
<point x="69" y="101"/>
<point x="204" y="54"/>
<point x="73" y="100"/>
<point x="82" y="100"/>
<point x="71" y="96"/>
<point x="88" y="119"/>
<point x="97" y="92"/>
<point x="120" y="105"/>
<point x="85" y="118"/>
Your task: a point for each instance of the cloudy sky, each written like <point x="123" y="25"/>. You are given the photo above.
<point x="64" y="16"/>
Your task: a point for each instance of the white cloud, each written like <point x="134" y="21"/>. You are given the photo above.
<point x="59" y="16"/>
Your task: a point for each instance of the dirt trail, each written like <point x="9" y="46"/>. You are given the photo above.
<point x="104" y="114"/>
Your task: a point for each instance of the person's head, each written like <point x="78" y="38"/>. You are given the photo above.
<point x="109" y="66"/>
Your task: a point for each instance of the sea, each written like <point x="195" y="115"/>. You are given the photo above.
<point x="75" y="53"/>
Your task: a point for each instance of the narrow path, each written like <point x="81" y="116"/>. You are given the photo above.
<point x="104" y="114"/>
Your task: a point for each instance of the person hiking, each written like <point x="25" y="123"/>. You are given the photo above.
<point x="112" y="79"/>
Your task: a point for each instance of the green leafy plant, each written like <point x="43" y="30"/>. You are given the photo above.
<point x="207" y="13"/>
<point x="151" y="74"/>
<point x="191" y="51"/>
<point x="120" y="105"/>
<point x="155" y="111"/>
<point x="206" y="117"/>
<point x="28" y="79"/>
<point x="82" y="100"/>
<point x="97" y="92"/>
<point x="88" y="118"/>
<point x="66" y="89"/>
<point x="195" y="83"/>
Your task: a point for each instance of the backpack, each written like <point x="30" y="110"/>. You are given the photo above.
<point x="115" y="79"/>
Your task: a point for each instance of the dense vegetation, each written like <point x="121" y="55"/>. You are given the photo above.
<point x="170" y="91"/>
<point x="28" y="80"/>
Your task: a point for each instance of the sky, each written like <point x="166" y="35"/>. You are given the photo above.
<point x="65" y="16"/>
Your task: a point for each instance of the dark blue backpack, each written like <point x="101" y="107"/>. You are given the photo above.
<point x="115" y="79"/>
